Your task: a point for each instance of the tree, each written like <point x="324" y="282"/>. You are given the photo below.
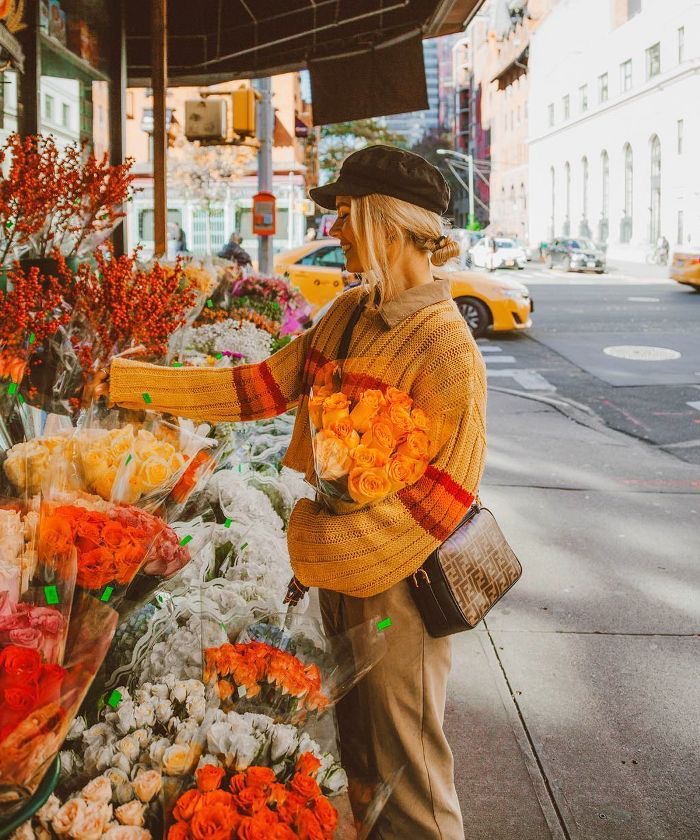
<point x="338" y="140"/>
<point x="427" y="148"/>
<point x="204" y="173"/>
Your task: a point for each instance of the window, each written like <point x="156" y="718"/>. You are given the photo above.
<point x="655" y="189"/>
<point x="679" y="229"/>
<point x="626" y="75"/>
<point x="603" y="88"/>
<point x="567" y="193"/>
<point x="65" y="115"/>
<point x="653" y="60"/>
<point x="130" y="105"/>
<point x="330" y="256"/>
<point x="605" y="183"/>
<point x="681" y="43"/>
<point x="626" y="229"/>
<point x="679" y="137"/>
<point x="566" y="106"/>
<point x="583" y="91"/>
<point x="48" y="107"/>
<point x="634" y="7"/>
<point x="146" y="223"/>
<point x="553" y="197"/>
<point x="584" y="175"/>
<point x="551" y="114"/>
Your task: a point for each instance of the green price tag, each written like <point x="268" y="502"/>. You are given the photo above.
<point x="106" y="593"/>
<point x="210" y="303"/>
<point x="20" y="399"/>
<point x="244" y="546"/>
<point x="227" y="523"/>
<point x="12" y="388"/>
<point x="177" y="364"/>
<point x="32" y="338"/>
<point x="147" y="399"/>
<point x="186" y="539"/>
<point x="51" y="594"/>
<point x="114" y="699"/>
<point x="128" y="458"/>
<point x="382" y="625"/>
<point x="219" y="355"/>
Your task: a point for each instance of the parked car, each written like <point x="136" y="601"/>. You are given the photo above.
<point x="486" y="302"/>
<point x="575" y="255"/>
<point x="508" y="254"/>
<point x="685" y="267"/>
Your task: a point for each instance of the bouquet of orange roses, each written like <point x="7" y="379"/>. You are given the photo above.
<point x="368" y="442"/>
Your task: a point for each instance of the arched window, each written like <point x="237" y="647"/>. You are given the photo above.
<point x="604" y="224"/>
<point x="584" y="194"/>
<point x="655" y="184"/>
<point x="567" y="193"/>
<point x="604" y="184"/>
<point x="626" y="224"/>
<point x="553" y="206"/>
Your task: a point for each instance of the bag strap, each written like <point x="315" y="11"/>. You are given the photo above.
<point x="346" y="338"/>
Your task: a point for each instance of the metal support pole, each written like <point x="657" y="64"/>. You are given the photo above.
<point x="471" y="189"/>
<point x="266" y="122"/>
<point x="117" y="109"/>
<point x="159" y="50"/>
<point x="29" y="82"/>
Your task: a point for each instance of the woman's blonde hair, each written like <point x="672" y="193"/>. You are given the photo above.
<point x="379" y="220"/>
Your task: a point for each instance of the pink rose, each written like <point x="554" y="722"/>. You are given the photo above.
<point x="46" y="619"/>
<point x="6" y="603"/>
<point x="12" y="622"/>
<point x="28" y="637"/>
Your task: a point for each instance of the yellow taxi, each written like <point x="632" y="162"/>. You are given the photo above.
<point x="685" y="267"/>
<point x="486" y="302"/>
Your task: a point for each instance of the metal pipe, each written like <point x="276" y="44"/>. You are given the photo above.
<point x="159" y="82"/>
<point x="266" y="121"/>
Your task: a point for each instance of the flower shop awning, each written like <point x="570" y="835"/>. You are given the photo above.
<point x="229" y="39"/>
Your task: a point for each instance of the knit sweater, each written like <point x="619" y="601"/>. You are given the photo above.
<point x="419" y="343"/>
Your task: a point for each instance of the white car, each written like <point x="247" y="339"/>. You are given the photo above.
<point x="507" y="254"/>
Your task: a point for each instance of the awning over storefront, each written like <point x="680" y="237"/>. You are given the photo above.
<point x="220" y="40"/>
<point x="512" y="71"/>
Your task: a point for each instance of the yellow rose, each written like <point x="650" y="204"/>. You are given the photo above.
<point x="367" y="408"/>
<point x="403" y="471"/>
<point x="180" y="759"/>
<point x="331" y="455"/>
<point x="380" y="435"/>
<point x="147" y="785"/>
<point x="153" y="472"/>
<point x="397" y="397"/>
<point x="346" y="432"/>
<point x="400" y="419"/>
<point x="416" y="445"/>
<point x="104" y="484"/>
<point x="365" y="457"/>
<point x="335" y="408"/>
<point x="368" y="485"/>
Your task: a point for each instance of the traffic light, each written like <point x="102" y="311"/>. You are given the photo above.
<point x="244" y="102"/>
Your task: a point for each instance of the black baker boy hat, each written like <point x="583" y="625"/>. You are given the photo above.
<point x="389" y="171"/>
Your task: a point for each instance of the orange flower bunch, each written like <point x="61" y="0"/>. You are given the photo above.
<point x="255" y="805"/>
<point x="274" y="677"/>
<point x="369" y="446"/>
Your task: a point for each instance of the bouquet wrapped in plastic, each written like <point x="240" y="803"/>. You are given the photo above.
<point x="369" y="439"/>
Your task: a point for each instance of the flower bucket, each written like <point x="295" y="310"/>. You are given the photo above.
<point x="32" y="805"/>
<point x="49" y="265"/>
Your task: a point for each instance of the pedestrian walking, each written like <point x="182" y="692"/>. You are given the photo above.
<point x="361" y="560"/>
<point x="234" y="252"/>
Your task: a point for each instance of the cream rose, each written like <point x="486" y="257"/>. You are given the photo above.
<point x="332" y="456"/>
<point x="179" y="759"/>
<point x="91" y="822"/>
<point x="147" y="784"/>
<point x="132" y="813"/>
<point x="97" y="790"/>
<point x="62" y="822"/>
<point x="126" y="832"/>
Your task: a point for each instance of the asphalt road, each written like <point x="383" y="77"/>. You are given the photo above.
<point x="624" y="345"/>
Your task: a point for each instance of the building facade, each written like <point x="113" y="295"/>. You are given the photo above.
<point x="615" y="125"/>
<point x="210" y="190"/>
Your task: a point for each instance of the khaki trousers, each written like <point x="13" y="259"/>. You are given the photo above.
<point x="393" y="717"/>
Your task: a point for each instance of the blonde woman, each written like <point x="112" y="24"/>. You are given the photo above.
<point x="389" y="204"/>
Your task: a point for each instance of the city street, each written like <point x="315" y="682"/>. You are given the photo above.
<point x="577" y="318"/>
<point x="573" y="711"/>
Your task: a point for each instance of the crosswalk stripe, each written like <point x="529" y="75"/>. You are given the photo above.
<point x="695" y="404"/>
<point x="489" y="348"/>
<point x="505" y="359"/>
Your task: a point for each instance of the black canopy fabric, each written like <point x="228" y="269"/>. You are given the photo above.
<point x="218" y="40"/>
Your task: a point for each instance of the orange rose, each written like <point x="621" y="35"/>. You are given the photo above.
<point x="307" y="764"/>
<point x="290" y="809"/>
<point x="309" y="828"/>
<point x="397" y="397"/>
<point x="380" y="435"/>
<point x="415" y="446"/>
<point x="316" y="410"/>
<point x="260" y="777"/>
<point x="403" y="470"/>
<point x="335" y="408"/>
<point x="420" y="418"/>
<point x="346" y="432"/>
<point x="367" y="408"/>
<point x="368" y="485"/>
<point x="237" y="782"/>
<point x="305" y="786"/>
<point x="326" y="814"/>
<point x="214" y="823"/>
<point x="401" y="421"/>
<point x="186" y="805"/>
<point x="251" y="799"/>
<point x="179" y="831"/>
<point x="365" y="457"/>
<point x="209" y="777"/>
<point x="332" y="456"/>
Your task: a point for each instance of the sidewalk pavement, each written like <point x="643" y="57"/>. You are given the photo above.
<point x="573" y="710"/>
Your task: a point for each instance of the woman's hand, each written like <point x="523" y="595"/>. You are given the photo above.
<point x="295" y="592"/>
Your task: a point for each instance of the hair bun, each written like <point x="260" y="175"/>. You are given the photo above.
<point x="445" y="249"/>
